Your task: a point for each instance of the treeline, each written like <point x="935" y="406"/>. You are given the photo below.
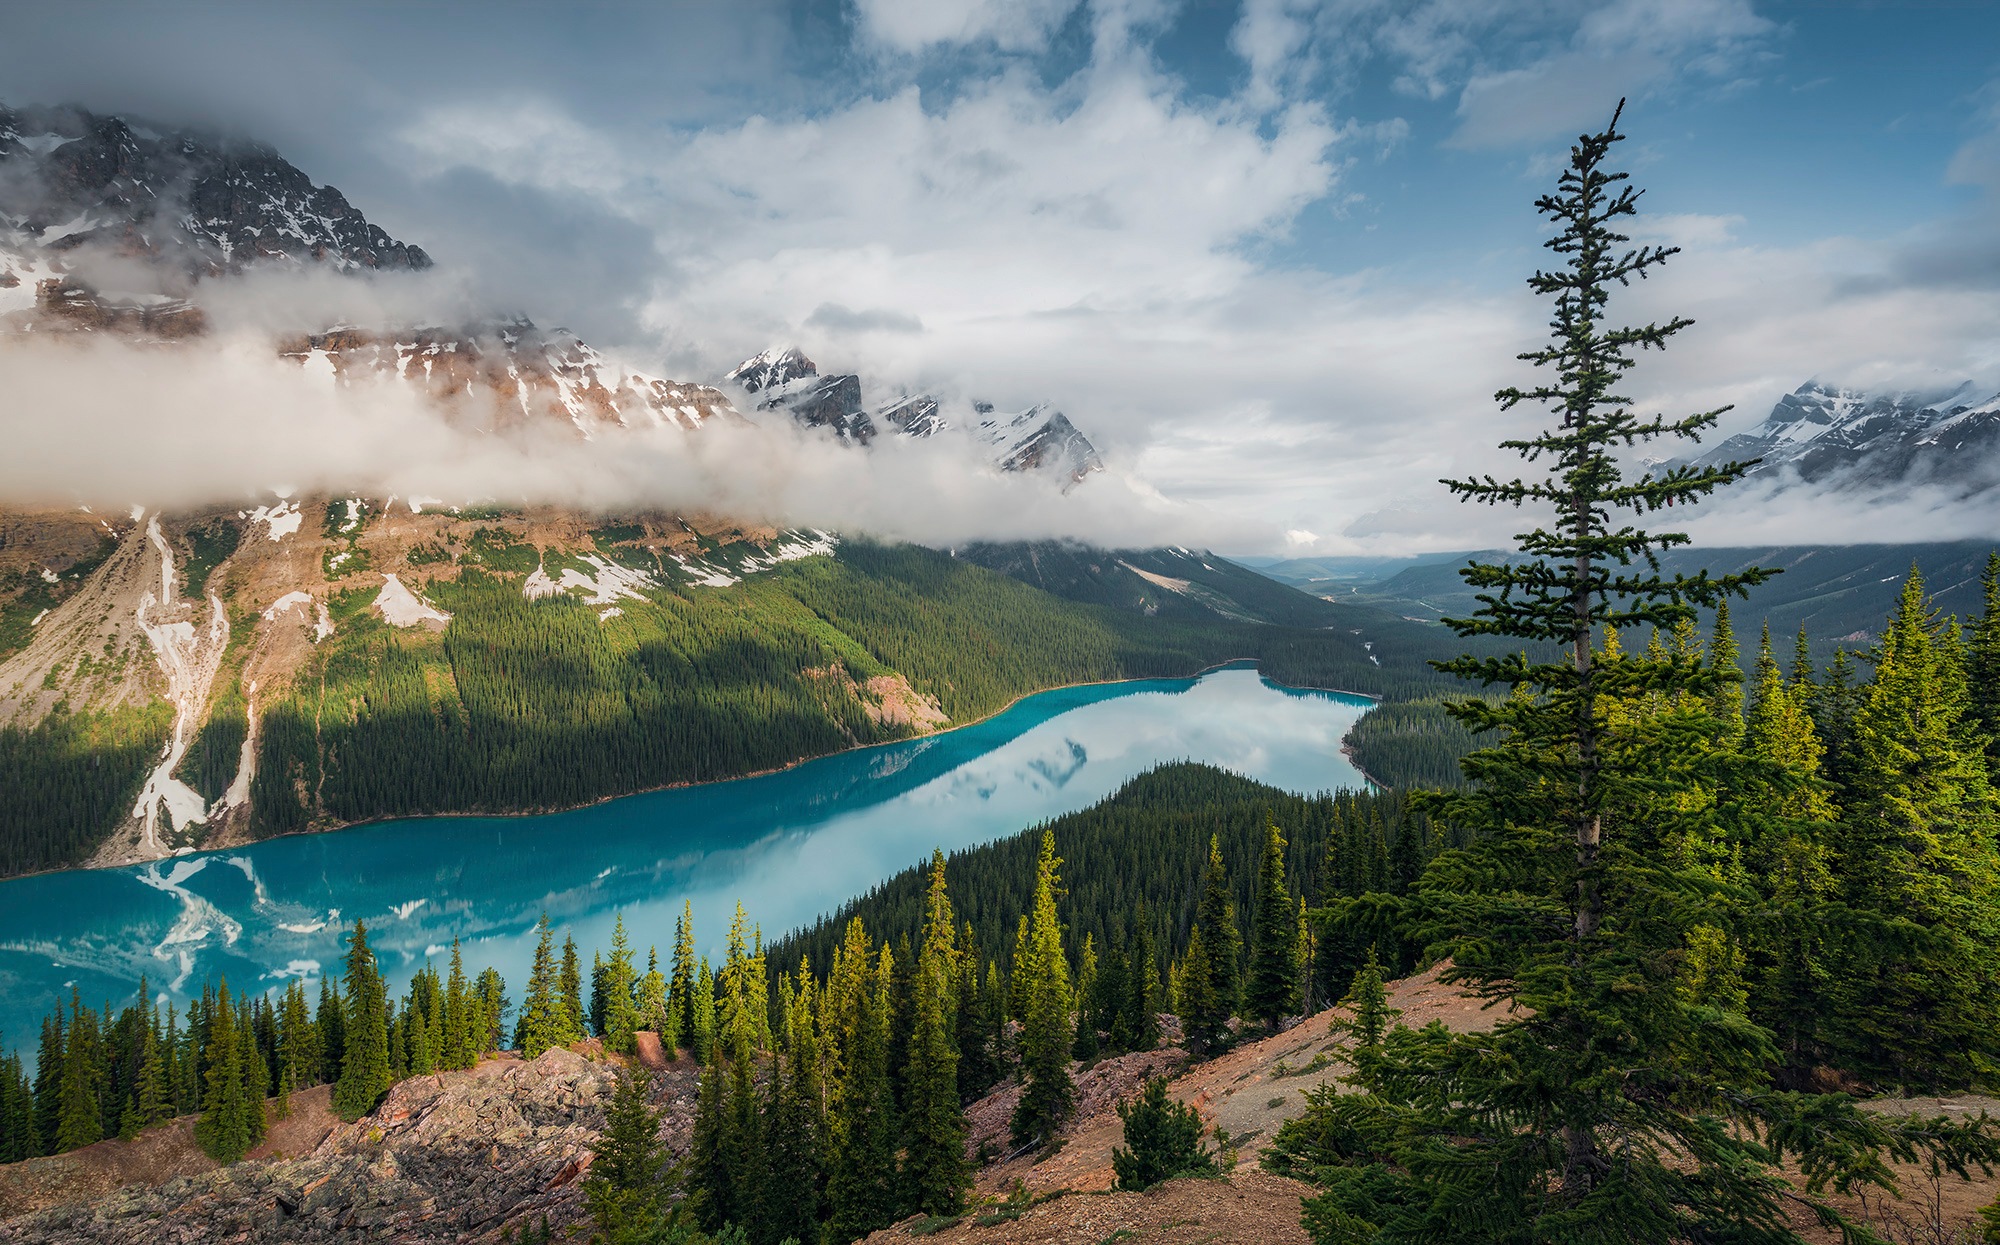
<point x="522" y="705"/>
<point x="99" y="1075"/>
<point x="1136" y="864"/>
<point x="1411" y="745"/>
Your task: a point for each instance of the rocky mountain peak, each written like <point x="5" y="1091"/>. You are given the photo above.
<point x="1829" y="435"/>
<point x="200" y="205"/>
<point x="773" y="367"/>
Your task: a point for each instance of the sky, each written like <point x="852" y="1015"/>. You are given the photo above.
<point x="1268" y="254"/>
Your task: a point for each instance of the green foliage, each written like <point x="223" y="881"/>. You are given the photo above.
<point x="1412" y="744"/>
<point x="1209" y="978"/>
<point x="626" y="1188"/>
<point x="1162" y="1140"/>
<point x="1600" y="879"/>
<point x="364" y="1059"/>
<point x="1047" y="1092"/>
<point x="1271" y="986"/>
<point x="71" y="778"/>
<point x="209" y="544"/>
<point x="935" y="1170"/>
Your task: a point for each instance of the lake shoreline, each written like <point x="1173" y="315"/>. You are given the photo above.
<point x="508" y="814"/>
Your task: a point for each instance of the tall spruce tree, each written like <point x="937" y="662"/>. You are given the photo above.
<point x="364" y="1059"/>
<point x="861" y="1176"/>
<point x="570" y="985"/>
<point x="1209" y="974"/>
<point x="935" y="1170"/>
<point x="1271" y="987"/>
<point x="620" y="1017"/>
<point x="626" y="1187"/>
<point x="1047" y="1092"/>
<point x="544" y="1012"/>
<point x="80" y="1113"/>
<point x="1613" y="1108"/>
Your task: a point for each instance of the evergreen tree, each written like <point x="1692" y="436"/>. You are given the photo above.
<point x="934" y="1129"/>
<point x="1111" y="992"/>
<point x="625" y="1190"/>
<point x="701" y="1031"/>
<point x="364" y="1061"/>
<point x="1613" y="1107"/>
<point x="1209" y="981"/>
<point x="796" y="1170"/>
<point x="1047" y="1091"/>
<point x="1085" y="1047"/>
<point x="80" y="1115"/>
<point x="154" y="1101"/>
<point x="711" y="1189"/>
<point x="491" y="995"/>
<point x="462" y="1041"/>
<point x="1142" y="1012"/>
<point x="1271" y="988"/>
<point x="543" y="1022"/>
<point x="224" y="1130"/>
<point x="331" y="1020"/>
<point x="1917" y="848"/>
<point x="977" y="1067"/>
<point x="861" y="1176"/>
<point x="571" y="985"/>
<point x="1162" y="1140"/>
<point x="618" y="1019"/>
<point x="681" y="987"/>
<point x="256" y="1075"/>
<point x="49" y="1061"/>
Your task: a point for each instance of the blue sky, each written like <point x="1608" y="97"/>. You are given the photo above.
<point x="1268" y="253"/>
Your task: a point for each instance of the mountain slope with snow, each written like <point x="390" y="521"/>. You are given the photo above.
<point x="1829" y="437"/>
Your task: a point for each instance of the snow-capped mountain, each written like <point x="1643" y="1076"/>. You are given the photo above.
<point x="772" y="367"/>
<point x="72" y="180"/>
<point x="1040" y="438"/>
<point x="1830" y="436"/>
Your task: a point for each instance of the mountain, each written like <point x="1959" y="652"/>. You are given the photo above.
<point x="74" y="181"/>
<point x="1831" y="437"/>
<point x="1840" y="594"/>
<point x="1040" y="439"/>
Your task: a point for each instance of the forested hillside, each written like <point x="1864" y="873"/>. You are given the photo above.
<point x="509" y="697"/>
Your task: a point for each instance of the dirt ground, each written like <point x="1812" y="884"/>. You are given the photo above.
<point x="1250" y="1206"/>
<point x="154" y="1157"/>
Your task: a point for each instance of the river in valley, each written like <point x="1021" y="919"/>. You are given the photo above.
<point x="789" y="845"/>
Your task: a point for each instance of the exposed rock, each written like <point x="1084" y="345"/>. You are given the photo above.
<point x="772" y="367"/>
<point x="456" y="1157"/>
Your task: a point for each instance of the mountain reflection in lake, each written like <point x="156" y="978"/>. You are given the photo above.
<point x="789" y="845"/>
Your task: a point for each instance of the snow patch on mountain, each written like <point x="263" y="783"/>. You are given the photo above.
<point x="401" y="607"/>
<point x="279" y="521"/>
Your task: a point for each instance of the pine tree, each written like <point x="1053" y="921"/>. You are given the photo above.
<point x="1085" y="1048"/>
<point x="80" y="1116"/>
<point x="49" y="1060"/>
<point x="619" y="1019"/>
<point x="934" y="1128"/>
<point x="571" y="985"/>
<point x="861" y="1176"/>
<point x="331" y="1020"/>
<point x="1047" y="1091"/>
<point x="1916" y="846"/>
<point x="711" y="1191"/>
<point x="1162" y="1140"/>
<point x="625" y="1190"/>
<point x="680" y="988"/>
<point x="364" y="1061"/>
<point x="1271" y="989"/>
<point x="1112" y="990"/>
<point x="154" y="1102"/>
<point x="1646" y="1121"/>
<point x="1142" y="1013"/>
<point x="490" y="992"/>
<point x="796" y="1171"/>
<point x="1209" y="981"/>
<point x="977" y="1067"/>
<point x="543" y="1021"/>
<point x="462" y="1043"/>
<point x="256" y="1075"/>
<point x="224" y="1130"/>
<point x="701" y="1031"/>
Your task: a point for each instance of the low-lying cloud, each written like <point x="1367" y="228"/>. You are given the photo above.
<point x="111" y="424"/>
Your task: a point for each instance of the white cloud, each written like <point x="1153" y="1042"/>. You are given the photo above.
<point x="917" y="25"/>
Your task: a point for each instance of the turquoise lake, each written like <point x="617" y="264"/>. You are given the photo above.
<point x="789" y="845"/>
